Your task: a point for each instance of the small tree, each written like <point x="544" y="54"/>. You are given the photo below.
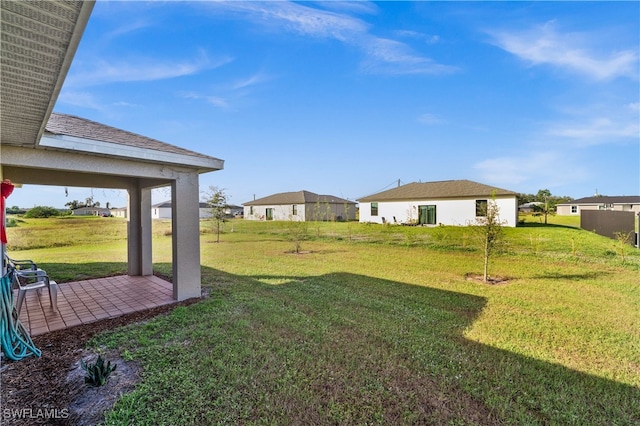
<point x="547" y="205"/>
<point x="297" y="231"/>
<point x="216" y="200"/>
<point x="488" y="229"/>
<point x="624" y="240"/>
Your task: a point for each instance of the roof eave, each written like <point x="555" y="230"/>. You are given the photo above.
<point x="204" y="164"/>
<point x="74" y="42"/>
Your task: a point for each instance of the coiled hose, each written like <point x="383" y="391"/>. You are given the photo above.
<point x="16" y="342"/>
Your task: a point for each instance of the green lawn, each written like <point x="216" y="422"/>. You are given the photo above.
<point x="376" y="324"/>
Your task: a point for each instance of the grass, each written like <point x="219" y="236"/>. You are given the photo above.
<point x="378" y="325"/>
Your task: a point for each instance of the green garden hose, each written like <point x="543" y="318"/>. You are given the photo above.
<point x="16" y="342"/>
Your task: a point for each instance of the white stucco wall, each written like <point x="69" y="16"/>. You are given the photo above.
<point x="280" y="212"/>
<point x="457" y="212"/>
<point x="565" y="209"/>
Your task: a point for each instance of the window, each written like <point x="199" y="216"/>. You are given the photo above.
<point x="481" y="208"/>
<point x="427" y="215"/>
<point x="294" y="210"/>
<point x="574" y="209"/>
<point x="269" y="213"/>
<point x="251" y="210"/>
<point x="374" y="209"/>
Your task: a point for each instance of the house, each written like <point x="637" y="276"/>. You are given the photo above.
<point x="624" y="203"/>
<point x="91" y="211"/>
<point x="40" y="147"/>
<point x="450" y="202"/>
<point x="300" y="206"/>
<point x="119" y="212"/>
<point x="163" y="210"/>
<point x="530" y="207"/>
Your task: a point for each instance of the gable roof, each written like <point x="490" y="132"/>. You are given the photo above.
<point x="299" y="197"/>
<point x="601" y="199"/>
<point x="441" y="189"/>
<point x="69" y="132"/>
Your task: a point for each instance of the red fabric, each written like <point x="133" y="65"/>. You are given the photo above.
<point x="6" y="188"/>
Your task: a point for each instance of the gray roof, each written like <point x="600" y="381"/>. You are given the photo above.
<point x="602" y="199"/>
<point x="435" y="190"/>
<point x="70" y="125"/>
<point x="300" y="197"/>
<point x="39" y="40"/>
<point x="168" y="204"/>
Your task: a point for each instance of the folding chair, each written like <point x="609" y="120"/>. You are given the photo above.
<point x="27" y="276"/>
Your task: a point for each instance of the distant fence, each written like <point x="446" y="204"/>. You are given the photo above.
<point x="608" y="222"/>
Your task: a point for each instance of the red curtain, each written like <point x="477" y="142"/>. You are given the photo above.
<point x="6" y="190"/>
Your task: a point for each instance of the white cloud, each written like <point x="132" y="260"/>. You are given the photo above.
<point x="571" y="51"/>
<point x="394" y="57"/>
<point x="217" y="101"/>
<point x="382" y="55"/>
<point x="543" y="169"/>
<point x="139" y="69"/>
<point x="431" y="119"/>
<point x="598" y="130"/>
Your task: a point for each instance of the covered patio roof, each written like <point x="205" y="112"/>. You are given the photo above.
<point x="37" y="146"/>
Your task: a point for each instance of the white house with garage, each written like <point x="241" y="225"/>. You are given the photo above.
<point x="300" y="206"/>
<point x="450" y="202"/>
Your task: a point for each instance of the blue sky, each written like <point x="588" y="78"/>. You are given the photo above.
<point x="345" y="98"/>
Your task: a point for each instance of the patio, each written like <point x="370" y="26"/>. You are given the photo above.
<point x="86" y="301"/>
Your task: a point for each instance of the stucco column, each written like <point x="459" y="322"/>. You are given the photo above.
<point x="185" y="231"/>
<point x="139" y="231"/>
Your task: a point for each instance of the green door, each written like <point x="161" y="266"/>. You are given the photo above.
<point x="427" y="215"/>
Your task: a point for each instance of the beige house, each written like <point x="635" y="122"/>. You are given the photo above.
<point x="449" y="202"/>
<point x="37" y="146"/>
<point x="300" y="206"/>
<point x="625" y="203"/>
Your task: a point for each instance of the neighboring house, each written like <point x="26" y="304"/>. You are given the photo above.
<point x="300" y="206"/>
<point x="119" y="212"/>
<point x="530" y="207"/>
<point x="234" y="211"/>
<point x="91" y="211"/>
<point x="451" y="202"/>
<point x="624" y="203"/>
<point x="163" y="210"/>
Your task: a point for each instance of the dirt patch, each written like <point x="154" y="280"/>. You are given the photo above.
<point x="479" y="278"/>
<point x="50" y="390"/>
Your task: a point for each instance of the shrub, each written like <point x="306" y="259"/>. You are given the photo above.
<point x="42" y="212"/>
<point x="98" y="373"/>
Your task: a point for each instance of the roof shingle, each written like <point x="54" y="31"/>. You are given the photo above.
<point x="299" y="197"/>
<point x="433" y="190"/>
<point x="70" y="125"/>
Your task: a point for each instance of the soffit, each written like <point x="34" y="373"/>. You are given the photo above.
<point x="38" y="42"/>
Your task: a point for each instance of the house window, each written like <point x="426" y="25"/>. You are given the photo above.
<point x="574" y="209"/>
<point x="374" y="209"/>
<point x="269" y="213"/>
<point x="294" y="210"/>
<point x="427" y="215"/>
<point x="251" y="210"/>
<point x="481" y="208"/>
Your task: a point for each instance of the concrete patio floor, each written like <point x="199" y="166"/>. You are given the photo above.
<point x="82" y="302"/>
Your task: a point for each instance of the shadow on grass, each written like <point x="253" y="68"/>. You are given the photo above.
<point x="543" y="225"/>
<point x="374" y="349"/>
<point x="67" y="272"/>
<point x="591" y="275"/>
<point x="425" y="326"/>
